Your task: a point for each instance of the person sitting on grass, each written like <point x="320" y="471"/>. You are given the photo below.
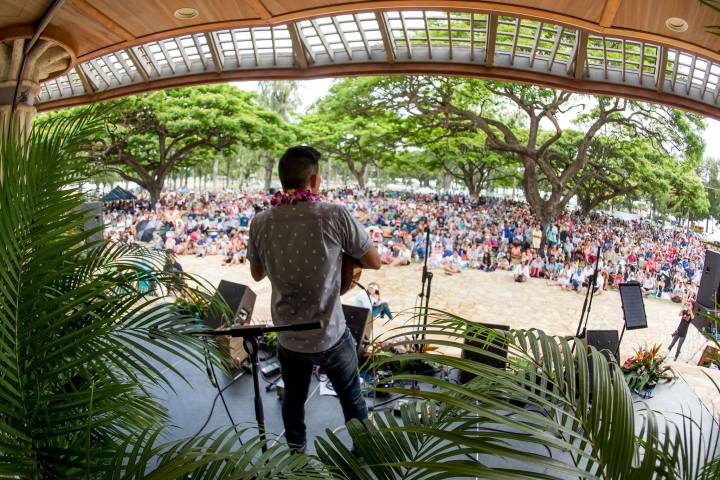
<point x="402" y="256"/>
<point x="451" y="264"/>
<point x="380" y="309"/>
<point x="536" y="266"/>
<point x="521" y="272"/>
<point x="503" y="262"/>
<point x="578" y="278"/>
<point x="565" y="277"/>
<point x="487" y="265"/>
<point x="648" y="286"/>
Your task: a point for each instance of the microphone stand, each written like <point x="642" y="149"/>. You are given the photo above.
<point x="589" y="294"/>
<point x="250" y="334"/>
<point x="424" y="295"/>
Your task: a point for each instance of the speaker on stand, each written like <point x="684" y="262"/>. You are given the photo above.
<point x="709" y="289"/>
<point x="241" y="301"/>
<point x="606" y="341"/>
<point x="706" y="311"/>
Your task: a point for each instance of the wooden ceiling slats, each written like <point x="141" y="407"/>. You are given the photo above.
<point x="514" y="47"/>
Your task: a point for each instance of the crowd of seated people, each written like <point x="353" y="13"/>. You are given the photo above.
<point x="488" y="234"/>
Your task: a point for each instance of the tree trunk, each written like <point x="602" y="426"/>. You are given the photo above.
<point x="269" y="167"/>
<point x="446" y="181"/>
<point x="154" y="189"/>
<point x="360" y="177"/>
<point x="216" y="168"/>
<point x="228" y="168"/>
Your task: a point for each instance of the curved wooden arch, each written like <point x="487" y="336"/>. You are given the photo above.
<point x="401" y="68"/>
<point x="53" y="34"/>
<point x="476" y="6"/>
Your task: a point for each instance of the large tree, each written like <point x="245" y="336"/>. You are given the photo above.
<point x="341" y="131"/>
<point x="281" y="97"/>
<point x="710" y="174"/>
<point x="525" y="121"/>
<point x="465" y="157"/>
<point x="147" y="136"/>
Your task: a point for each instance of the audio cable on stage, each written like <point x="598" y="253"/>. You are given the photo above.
<point x="213" y="380"/>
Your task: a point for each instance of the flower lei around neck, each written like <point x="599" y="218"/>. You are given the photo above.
<point x="293" y="196"/>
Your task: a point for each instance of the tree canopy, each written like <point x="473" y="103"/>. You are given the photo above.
<point x="147" y="136"/>
<point x="342" y="135"/>
<point x="613" y="148"/>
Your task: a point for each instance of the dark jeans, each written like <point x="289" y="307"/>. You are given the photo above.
<point x="382" y="310"/>
<point x="680" y="340"/>
<point x="340" y="363"/>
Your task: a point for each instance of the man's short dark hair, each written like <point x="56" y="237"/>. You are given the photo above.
<point x="297" y="165"/>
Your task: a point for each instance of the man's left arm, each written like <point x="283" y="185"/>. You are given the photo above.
<point x="257" y="270"/>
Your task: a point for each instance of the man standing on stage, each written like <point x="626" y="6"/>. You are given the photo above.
<point x="299" y="244"/>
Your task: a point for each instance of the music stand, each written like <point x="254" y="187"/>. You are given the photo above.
<point x="250" y="334"/>
<point x="633" y="308"/>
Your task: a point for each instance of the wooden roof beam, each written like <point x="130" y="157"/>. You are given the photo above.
<point x="102" y="19"/>
<point x="491" y="39"/>
<point x="581" y="54"/>
<point x="385" y="34"/>
<point x="298" y="46"/>
<point x="609" y="11"/>
<point x="87" y="86"/>
<point x="214" y="52"/>
<point x="138" y="66"/>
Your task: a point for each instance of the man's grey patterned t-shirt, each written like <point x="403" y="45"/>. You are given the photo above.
<point x="300" y="247"/>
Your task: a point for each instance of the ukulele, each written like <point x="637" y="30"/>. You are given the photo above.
<point x="351" y="271"/>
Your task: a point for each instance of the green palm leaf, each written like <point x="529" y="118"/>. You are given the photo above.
<point x="556" y="412"/>
<point x="76" y="350"/>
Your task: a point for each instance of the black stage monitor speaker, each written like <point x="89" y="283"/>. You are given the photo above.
<point x="709" y="291"/>
<point x="633" y="306"/>
<point x="241" y="300"/>
<point x="493" y="341"/>
<point x="604" y="340"/>
<point x="359" y="321"/>
<point x="704" y="318"/>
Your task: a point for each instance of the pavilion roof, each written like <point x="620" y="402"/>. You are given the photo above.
<point x="615" y="47"/>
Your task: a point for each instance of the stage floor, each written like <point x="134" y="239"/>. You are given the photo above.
<point x="496" y="298"/>
<point x="191" y="401"/>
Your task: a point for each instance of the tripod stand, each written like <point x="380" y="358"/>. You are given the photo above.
<point x="424" y="294"/>
<point x="589" y="294"/>
<point x="250" y="334"/>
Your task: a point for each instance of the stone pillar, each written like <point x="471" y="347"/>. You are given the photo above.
<point x="45" y="59"/>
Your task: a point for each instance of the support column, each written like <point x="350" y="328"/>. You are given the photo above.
<point x="44" y="59"/>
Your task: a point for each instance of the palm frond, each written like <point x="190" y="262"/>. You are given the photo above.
<point x="213" y="455"/>
<point x="80" y="341"/>
<point x="559" y="409"/>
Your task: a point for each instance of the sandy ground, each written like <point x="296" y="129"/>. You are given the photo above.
<point x="495" y="298"/>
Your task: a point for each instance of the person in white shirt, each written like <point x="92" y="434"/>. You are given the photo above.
<point x="599" y="284"/>
<point x="403" y="256"/>
<point x="565" y="277"/>
<point x="521" y="272"/>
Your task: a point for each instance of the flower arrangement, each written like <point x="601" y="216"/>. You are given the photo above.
<point x="192" y="305"/>
<point x="646" y="368"/>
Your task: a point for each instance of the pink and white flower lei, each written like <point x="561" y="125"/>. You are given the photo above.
<point x="293" y="196"/>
